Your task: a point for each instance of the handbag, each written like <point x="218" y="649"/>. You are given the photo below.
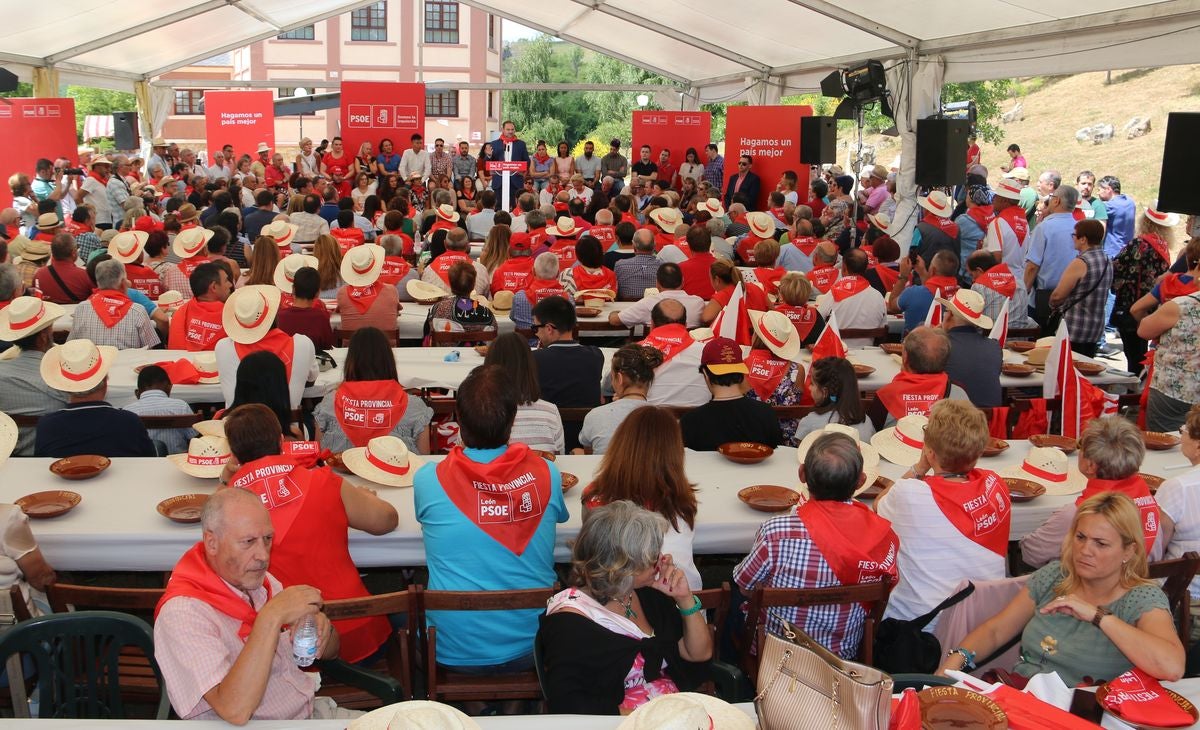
<point x="799" y="678"/>
<point x="1057" y="313"/>
<point x="903" y="647"/>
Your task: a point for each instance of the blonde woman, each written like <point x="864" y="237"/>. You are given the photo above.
<point x="495" y="248"/>
<point x="329" y="265"/>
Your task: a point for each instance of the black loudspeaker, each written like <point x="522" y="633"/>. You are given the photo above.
<point x="942" y="151"/>
<point x="8" y="80"/>
<point x="125" y="130"/>
<point x="1177" y="191"/>
<point x="818" y="140"/>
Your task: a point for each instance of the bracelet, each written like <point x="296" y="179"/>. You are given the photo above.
<point x="1101" y="612"/>
<point x="696" y="606"/>
<point x="967" y="655"/>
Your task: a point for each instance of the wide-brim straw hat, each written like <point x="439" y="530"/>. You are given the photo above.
<point x="48" y="221"/>
<point x="170" y="300"/>
<point x="778" y="333"/>
<point x="446" y="212"/>
<point x="126" y="246"/>
<point x="191" y="242"/>
<point x="686" y="711"/>
<point x="415" y="715"/>
<point x="423" y="290"/>
<point x="879" y="220"/>
<point x="25" y="316"/>
<point x="869" y="453"/>
<point x="667" y="219"/>
<point x="1170" y="220"/>
<point x="502" y="300"/>
<point x="187" y="212"/>
<point x="385" y="460"/>
<point x="8" y="436"/>
<point x="937" y="203"/>
<point x="712" y="206"/>
<point x="1019" y="173"/>
<point x="282" y="231"/>
<point x="214" y="428"/>
<point x="206" y="365"/>
<point x="285" y="270"/>
<point x="205" y="458"/>
<point x="1008" y="189"/>
<point x="362" y="265"/>
<point x="100" y="160"/>
<point x="968" y="304"/>
<point x="901" y="444"/>
<point x="607" y="295"/>
<point x="761" y="224"/>
<point x="564" y="227"/>
<point x="77" y="366"/>
<point x="1051" y="468"/>
<point x="250" y="312"/>
<point x="262" y="147"/>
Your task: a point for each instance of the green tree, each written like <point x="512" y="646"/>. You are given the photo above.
<point x="91" y="101"/>
<point x="24" y="90"/>
<point x="987" y="96"/>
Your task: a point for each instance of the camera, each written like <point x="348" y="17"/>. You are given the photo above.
<point x="74" y="171"/>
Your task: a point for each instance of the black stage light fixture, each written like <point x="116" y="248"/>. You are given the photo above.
<point x="864" y="84"/>
<point x="833" y="86"/>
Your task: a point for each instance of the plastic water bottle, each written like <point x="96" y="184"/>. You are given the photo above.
<point x="304" y="641"/>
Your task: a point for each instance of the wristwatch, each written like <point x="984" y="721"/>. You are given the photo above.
<point x="1101" y="612"/>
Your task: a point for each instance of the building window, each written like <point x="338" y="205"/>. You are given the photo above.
<point x="303" y="33"/>
<point x="491" y="33"/>
<point x="441" y="21"/>
<point x="441" y="103"/>
<point x="369" y="23"/>
<point x="189" y="101"/>
<point x="491" y="108"/>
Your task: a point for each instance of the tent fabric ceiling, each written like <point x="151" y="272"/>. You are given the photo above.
<point x="717" y="47"/>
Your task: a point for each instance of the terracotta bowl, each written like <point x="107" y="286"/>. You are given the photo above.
<point x="568" y="480"/>
<point x="745" y="452"/>
<point x="861" y="370"/>
<point x="184" y="509"/>
<point x="75" y="468"/>
<point x="1017" y="369"/>
<point x="1152" y="481"/>
<point x="875" y="488"/>
<point x="1021" y="345"/>
<point x="1089" y="368"/>
<point x="587" y="312"/>
<point x="1023" y="490"/>
<point x="995" y="446"/>
<point x="1156" y="441"/>
<point x="1065" y="443"/>
<point x="892" y="348"/>
<point x="769" y="498"/>
<point x="44" y="505"/>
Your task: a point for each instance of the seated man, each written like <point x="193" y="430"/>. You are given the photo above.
<point x="108" y="317"/>
<point x="730" y="415"/>
<point x="669" y="278"/>
<point x="913" y="301"/>
<point x="488" y="513"/>
<point x="219" y="629"/>
<point x="853" y="299"/>
<point x="307" y="316"/>
<point x="921" y="382"/>
<point x="154" y="399"/>
<point x="697" y="279"/>
<point x="516" y="272"/>
<point x="810" y="548"/>
<point x="544" y="283"/>
<point x="568" y="372"/>
<point x="636" y="274"/>
<point x="27" y="323"/>
<point x="437" y="272"/>
<point x="88" y="424"/>
<point x="975" y="358"/>
<point x="196" y="326"/>
<point x="824" y="271"/>
<point x="677" y="381"/>
<point x="61" y="280"/>
<point x="249" y="319"/>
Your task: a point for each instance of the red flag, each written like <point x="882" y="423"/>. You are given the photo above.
<point x="829" y="344"/>
<point x="733" y="321"/>
<point x="933" y="317"/>
<point x="1000" y="329"/>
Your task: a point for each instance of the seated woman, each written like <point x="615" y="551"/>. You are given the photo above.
<point x="329" y="265"/>
<point x="630" y="628"/>
<point x="311" y="518"/>
<point x="1179" y="501"/>
<point x="834" y="389"/>
<point x="632" y="371"/>
<point x="1092" y="614"/>
<point x="538" y="424"/>
<point x="262" y="378"/>
<point x="346" y="417"/>
<point x="952" y="518"/>
<point x="766" y="271"/>
<point x="776" y="375"/>
<point x="725" y="277"/>
<point x="367" y="300"/>
<point x="590" y="273"/>
<point x="645" y="465"/>
<point x="794" y="292"/>
<point x="460" y="313"/>
<point x="1111" y="451"/>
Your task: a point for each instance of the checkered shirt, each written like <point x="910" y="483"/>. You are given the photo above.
<point x="635" y="275"/>
<point x="134" y="330"/>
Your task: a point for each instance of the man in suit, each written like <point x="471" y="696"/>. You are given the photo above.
<point x="508" y="147"/>
<point x="744" y="183"/>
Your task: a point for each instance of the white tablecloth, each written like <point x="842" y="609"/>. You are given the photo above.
<point x="116" y="526"/>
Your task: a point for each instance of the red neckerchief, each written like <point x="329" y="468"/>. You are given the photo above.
<point x="945" y="225"/>
<point x="505" y="498"/>
<point x="606" y="235"/>
<point x="394" y="269"/>
<point x="187" y="266"/>
<point x="859" y="545"/>
<point x="193" y="577"/>
<point x="508" y="138"/>
<point x="347" y="238"/>
<point x="202" y="325"/>
<point x="946" y="284"/>
<point x="362" y="297"/>
<point x="872" y="259"/>
<point x="564" y="249"/>
<point x="669" y="339"/>
<point x="888" y="276"/>
<point x="541" y="157"/>
<point x="442" y="224"/>
<point x="1140" y="699"/>
<point x="304" y="453"/>
<point x="43" y="236"/>
<point x="983" y="215"/>
<point x="405" y="240"/>
<point x="281" y="483"/>
<point x="441" y="265"/>
<point x="110" y="305"/>
<point x="662" y="238"/>
<point x="848" y="286"/>
<point x="539" y="289"/>
<point x="1159" y="246"/>
<point x="803" y="317"/>
<point x="4" y="303"/>
<point x="629" y="218"/>
<point x="277" y="342"/>
<point x="766" y="371"/>
<point x="602" y="279"/>
<point x="769" y="278"/>
<point x="913" y="393"/>
<point x="366" y="409"/>
<point x="1135" y="488"/>
<point x="979" y="508"/>
<point x="745" y="249"/>
<point x="822" y="278"/>
<point x="1173" y="286"/>
<point x="1014" y="216"/>
<point x="513" y="275"/>
<point x="999" y="279"/>
<point x="93" y="175"/>
<point x="777" y="212"/>
<point x="144" y="279"/>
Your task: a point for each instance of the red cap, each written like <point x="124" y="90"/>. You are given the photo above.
<point x="722" y="356"/>
<point x="146" y="223"/>
<point x="519" y="242"/>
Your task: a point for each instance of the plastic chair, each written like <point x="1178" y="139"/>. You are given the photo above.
<point x="77" y="657"/>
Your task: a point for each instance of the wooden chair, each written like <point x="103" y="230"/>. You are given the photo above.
<point x="877" y="334"/>
<point x="573" y="415"/>
<point x="25" y="421"/>
<point x="356" y="689"/>
<point x="341" y="336"/>
<point x="439" y="338"/>
<point x="1178" y="574"/>
<point x="151" y="422"/>
<point x="1024" y="333"/>
<point x="445" y="686"/>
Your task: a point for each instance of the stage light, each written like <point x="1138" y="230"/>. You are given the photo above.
<point x="862" y="85"/>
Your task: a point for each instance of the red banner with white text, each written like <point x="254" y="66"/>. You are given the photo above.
<point x="32" y="129"/>
<point x="674" y="131"/>
<point x="373" y="110"/>
<point x="244" y="119"/>
<point x="771" y="136"/>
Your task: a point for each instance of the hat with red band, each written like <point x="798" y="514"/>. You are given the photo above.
<point x="967" y="304"/>
<point x="205" y="458"/>
<point x="362" y="264"/>
<point x="250" y="312"/>
<point x="937" y="203"/>
<point x="384" y="460"/>
<point x="901" y="444"/>
<point x="1051" y="468"/>
<point x="25" y="316"/>
<point x="77" y="366"/>
<point x="1169" y="220"/>
<point x="777" y="332"/>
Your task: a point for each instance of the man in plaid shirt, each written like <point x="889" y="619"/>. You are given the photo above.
<point x="831" y="540"/>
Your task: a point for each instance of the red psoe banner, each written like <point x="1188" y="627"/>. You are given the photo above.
<point x="244" y="119"/>
<point x="771" y="136"/>
<point x="373" y="110"/>
<point x="32" y="129"/>
<point x="676" y="131"/>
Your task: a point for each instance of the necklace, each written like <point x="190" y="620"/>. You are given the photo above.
<point x="627" y="604"/>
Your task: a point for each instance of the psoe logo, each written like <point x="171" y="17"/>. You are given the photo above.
<point x="358" y="115"/>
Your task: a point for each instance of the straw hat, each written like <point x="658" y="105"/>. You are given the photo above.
<point x="78" y="366"/>
<point x="100" y="160"/>
<point x="126" y="246"/>
<point x="262" y="147"/>
<point x="415" y="715"/>
<point x="701" y="334"/>
<point x="446" y="212"/>
<point x="170" y="300"/>
<point x="777" y="332"/>
<point x="687" y="711"/>
<point x="187" y="212"/>
<point x="870" y="455"/>
<point x="8" y="436"/>
<point x="250" y="312"/>
<point x="901" y="444"/>
<point x="1051" y="468"/>
<point x="1019" y="173"/>
<point x="607" y="295"/>
<point x="564" y="227"/>
<point x="666" y="218"/>
<point x="25" y="316"/>
<point x="281" y="231"/>
<point x="191" y="241"/>
<point x="1006" y="188"/>
<point x="205" y="458"/>
<point x="48" y="222"/>
<point x="206" y="365"/>
<point x="158" y="142"/>
<point x="502" y="300"/>
<point x="362" y="265"/>
<point x="423" y="290"/>
<point x="285" y="270"/>
<point x="1169" y="220"/>
<point x="968" y="304"/>
<point x="879" y="220"/>
<point x="937" y="203"/>
<point x="384" y="460"/>
<point x="712" y="206"/>
<point x="761" y="224"/>
<point x="214" y="428"/>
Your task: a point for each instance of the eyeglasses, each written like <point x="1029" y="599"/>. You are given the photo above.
<point x="437" y="145"/>
<point x="535" y="327"/>
<point x="743" y="164"/>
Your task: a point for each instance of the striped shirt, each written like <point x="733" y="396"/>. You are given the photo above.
<point x="24" y="393"/>
<point x="538" y="426"/>
<point x="155" y="402"/>
<point x="134" y="330"/>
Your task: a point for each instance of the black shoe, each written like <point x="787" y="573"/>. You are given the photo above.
<point x="1109" y="348"/>
<point x="1114" y="355"/>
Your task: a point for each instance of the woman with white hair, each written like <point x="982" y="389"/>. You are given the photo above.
<point x="545" y="283"/>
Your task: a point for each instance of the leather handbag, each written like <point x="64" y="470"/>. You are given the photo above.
<point x="801" y="680"/>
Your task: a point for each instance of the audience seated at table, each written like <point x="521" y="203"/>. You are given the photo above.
<point x="822" y="544"/>
<point x="21" y="560"/>
<point x="921" y="382"/>
<point x="952" y="517"/>
<point x="538" y="424"/>
<point x="468" y="549"/>
<point x="636" y="274"/>
<point x="852" y="298"/>
<point x="590" y="271"/>
<point x="224" y="654"/>
<point x="766" y="271"/>
<point x="366" y="300"/>
<point x="1094" y="614"/>
<point x="509" y="260"/>
<point x="776" y="375"/>
<point x="975" y="358"/>
<point x="265" y="383"/>
<point x="1111" y="451"/>
<point x="312" y="511"/>
<point x="886" y="269"/>
<point x="729" y="415"/>
<point x="460" y="312"/>
<point x="249" y="318"/>
<point x="795" y="290"/>
<point x="632" y="375"/>
<point x="61" y="280"/>
<point x="996" y="284"/>
<point x="725" y="279"/>
<point x="568" y="371"/>
<point x="370" y="402"/>
<point x="109" y="317"/>
<point x="153" y="395"/>
<point x="629" y="628"/>
<point x="27" y="323"/>
<point x="196" y="326"/>
<point x="914" y="300"/>
<point x="87" y="424"/>
<point x="836" y="399"/>
<point x="264" y="259"/>
<point x="329" y="265"/>
<point x="697" y="269"/>
<point x="669" y="281"/>
<point x="543" y="284"/>
<point x="457" y="248"/>
<point x="305" y="314"/>
<point x="128" y="247"/>
<point x="397" y="271"/>
<point x="1179" y="531"/>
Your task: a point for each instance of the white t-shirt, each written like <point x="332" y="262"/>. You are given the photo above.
<point x="678" y="381"/>
<point x="864" y="310"/>
<point x="639" y="311"/>
<point x="586" y="194"/>
<point x="304" y="367"/>
<point x="1179" y="499"/>
<point x="96" y="195"/>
